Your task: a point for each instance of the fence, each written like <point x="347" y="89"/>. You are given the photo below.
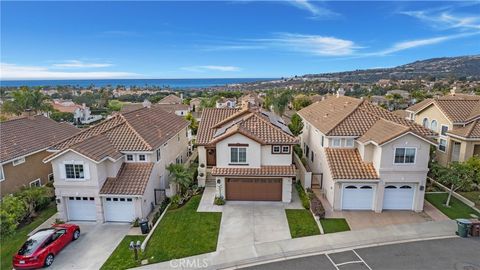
<point x="302" y="173"/>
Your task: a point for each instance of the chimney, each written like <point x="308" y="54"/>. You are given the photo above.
<point x="146" y="103"/>
<point x="453" y="91"/>
<point x="340" y="92"/>
<point x="28" y="113"/>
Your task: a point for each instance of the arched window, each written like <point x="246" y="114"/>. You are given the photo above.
<point x="351" y="187"/>
<point x="366" y="187"/>
<point x="434" y="125"/>
<point x="406" y="187"/>
<point x="425" y="122"/>
<point x="390" y="187"/>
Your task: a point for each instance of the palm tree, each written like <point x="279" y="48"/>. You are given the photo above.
<point x="26" y="99"/>
<point x="181" y="176"/>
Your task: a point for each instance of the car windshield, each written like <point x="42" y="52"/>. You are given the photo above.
<point x="34" y="241"/>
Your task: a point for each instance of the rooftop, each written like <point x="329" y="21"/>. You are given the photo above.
<point x="348" y="164"/>
<point x="262" y="171"/>
<point x="132" y="179"/>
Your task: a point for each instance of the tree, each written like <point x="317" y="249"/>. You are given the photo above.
<point x="300" y="102"/>
<point x="193" y="123"/>
<point x="181" y="176"/>
<point x="115" y="105"/>
<point x="456" y="176"/>
<point x="26" y="99"/>
<point x="62" y="116"/>
<point x="296" y="125"/>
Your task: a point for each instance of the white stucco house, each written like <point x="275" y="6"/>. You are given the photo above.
<point x="246" y="154"/>
<point x="113" y="171"/>
<point x="226" y="103"/>
<point x="365" y="157"/>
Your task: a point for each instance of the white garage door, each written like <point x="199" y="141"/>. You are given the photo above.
<point x="398" y="197"/>
<point x="357" y="197"/>
<point x="81" y="208"/>
<point x="119" y="209"/>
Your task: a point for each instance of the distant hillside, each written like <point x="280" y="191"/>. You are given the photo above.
<point x="446" y="67"/>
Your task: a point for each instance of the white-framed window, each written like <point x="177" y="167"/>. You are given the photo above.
<point x="425" y="122"/>
<point x="18" y="161"/>
<point x="2" y="175"/>
<point x="36" y="183"/>
<point x="159" y="154"/>
<point x="405" y="155"/>
<point x="74" y="171"/>
<point x="336" y="142"/>
<point x="349" y="142"/>
<point x="238" y="155"/>
<point x="276" y="149"/>
<point x="50" y="177"/>
<point x="444" y="130"/>
<point x="129" y="157"/>
<point x="442" y="145"/>
<point x="141" y="157"/>
<point x="434" y="125"/>
<point x="286" y="149"/>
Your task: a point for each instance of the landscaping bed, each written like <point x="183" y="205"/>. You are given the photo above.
<point x="10" y="244"/>
<point x="473" y="196"/>
<point x="301" y="223"/>
<point x="333" y="225"/>
<point x="457" y="209"/>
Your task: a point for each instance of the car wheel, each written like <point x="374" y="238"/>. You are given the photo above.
<point x="49" y="260"/>
<point x="76" y="235"/>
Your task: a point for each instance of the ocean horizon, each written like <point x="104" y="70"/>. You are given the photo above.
<point x="164" y="83"/>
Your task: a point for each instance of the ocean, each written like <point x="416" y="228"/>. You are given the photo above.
<point x="164" y="83"/>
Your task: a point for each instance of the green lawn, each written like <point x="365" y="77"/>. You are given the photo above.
<point x="122" y="257"/>
<point x="457" y="209"/>
<point x="301" y="223"/>
<point x="11" y="244"/>
<point x="333" y="225"/>
<point x="181" y="233"/>
<point x="473" y="196"/>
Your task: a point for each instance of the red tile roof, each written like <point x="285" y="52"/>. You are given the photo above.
<point x="132" y="179"/>
<point x="348" y="164"/>
<point x="287" y="171"/>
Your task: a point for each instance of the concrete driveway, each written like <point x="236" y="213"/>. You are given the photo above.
<point x="92" y="249"/>
<point x="248" y="223"/>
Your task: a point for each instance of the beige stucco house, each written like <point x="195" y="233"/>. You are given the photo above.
<point x="365" y="157"/>
<point x="456" y="117"/>
<point x="116" y="171"/>
<point x="246" y="154"/>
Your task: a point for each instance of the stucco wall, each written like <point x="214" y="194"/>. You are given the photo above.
<point x="253" y="151"/>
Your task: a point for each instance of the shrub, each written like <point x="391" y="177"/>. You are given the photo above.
<point x="303" y="196"/>
<point x="136" y="222"/>
<point x="298" y="150"/>
<point x="59" y="221"/>
<point x="316" y="206"/>
<point x="176" y="200"/>
<point x="219" y="201"/>
<point x="304" y="161"/>
<point x="13" y="210"/>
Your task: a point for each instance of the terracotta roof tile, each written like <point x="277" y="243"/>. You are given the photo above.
<point x="210" y="117"/>
<point x="249" y="171"/>
<point x="383" y="131"/>
<point x="348" y="164"/>
<point x="132" y="179"/>
<point x="471" y="131"/>
<point x="22" y="136"/>
<point x="171" y="99"/>
<point x="459" y="108"/>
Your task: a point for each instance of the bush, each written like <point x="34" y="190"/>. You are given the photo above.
<point x="298" y="150"/>
<point x="304" y="161"/>
<point x="13" y="210"/>
<point x="163" y="206"/>
<point x="136" y="222"/>
<point x="219" y="201"/>
<point x="303" y="196"/>
<point x="316" y="206"/>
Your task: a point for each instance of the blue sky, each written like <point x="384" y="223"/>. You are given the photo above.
<point x="78" y="40"/>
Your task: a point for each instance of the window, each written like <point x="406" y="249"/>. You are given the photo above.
<point x="307" y="150"/>
<point x="36" y="183"/>
<point x="178" y="160"/>
<point x="129" y="157"/>
<point x="405" y="155"/>
<point x="444" y="130"/>
<point x="313" y="154"/>
<point x="336" y="142"/>
<point x="323" y="138"/>
<point x="442" y="145"/>
<point x="141" y="157"/>
<point x="286" y="149"/>
<point x="434" y="125"/>
<point x="238" y="155"/>
<point x="276" y="149"/>
<point x="425" y="122"/>
<point x="74" y="171"/>
<point x="158" y="154"/>
<point x="2" y="176"/>
<point x="349" y="142"/>
<point x="50" y="177"/>
<point x="18" y="161"/>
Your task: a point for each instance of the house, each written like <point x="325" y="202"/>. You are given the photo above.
<point x="246" y="153"/>
<point x="81" y="113"/>
<point x="116" y="170"/>
<point x="178" y="109"/>
<point x="365" y="157"/>
<point x="379" y="100"/>
<point x="456" y="117"/>
<point x="226" y="103"/>
<point x="251" y="98"/>
<point x="195" y="105"/>
<point x="172" y="99"/>
<point x="24" y="142"/>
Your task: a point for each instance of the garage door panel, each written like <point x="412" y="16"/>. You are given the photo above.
<point x="119" y="209"/>
<point x="357" y="197"/>
<point x="254" y="189"/>
<point x="81" y="208"/>
<point x="398" y="197"/>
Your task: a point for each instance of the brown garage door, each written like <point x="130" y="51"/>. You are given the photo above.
<point x="254" y="189"/>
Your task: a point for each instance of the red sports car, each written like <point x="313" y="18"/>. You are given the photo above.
<point x="41" y="248"/>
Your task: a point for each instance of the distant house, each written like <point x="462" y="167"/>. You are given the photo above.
<point x="178" y="109"/>
<point x="171" y="99"/>
<point x="195" y="105"/>
<point x="456" y="117"/>
<point x="116" y="170"/>
<point x="24" y="142"/>
<point x="226" y="103"/>
<point x="379" y="100"/>
<point x="81" y="113"/>
<point x="251" y="98"/>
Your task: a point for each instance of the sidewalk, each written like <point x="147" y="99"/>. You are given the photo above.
<point x="232" y="258"/>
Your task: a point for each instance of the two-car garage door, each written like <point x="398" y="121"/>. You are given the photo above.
<point x="116" y="209"/>
<point x="361" y="197"/>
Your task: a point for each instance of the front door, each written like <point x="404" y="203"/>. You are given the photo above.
<point x="211" y="157"/>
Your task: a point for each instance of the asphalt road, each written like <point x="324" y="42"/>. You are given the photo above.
<point x="444" y="254"/>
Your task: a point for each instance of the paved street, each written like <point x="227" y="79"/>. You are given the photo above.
<point x="454" y="253"/>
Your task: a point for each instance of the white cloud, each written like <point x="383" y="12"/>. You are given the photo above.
<point x="315" y="10"/>
<point x="80" y="64"/>
<point x="446" y="20"/>
<point x="18" y="72"/>
<point x="212" y="68"/>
